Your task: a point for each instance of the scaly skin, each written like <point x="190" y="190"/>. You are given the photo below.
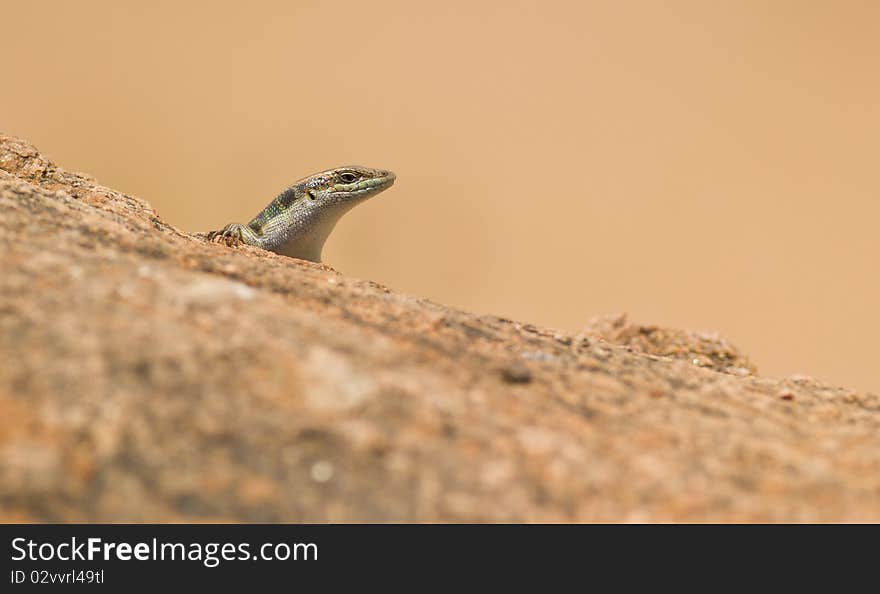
<point x="299" y="220"/>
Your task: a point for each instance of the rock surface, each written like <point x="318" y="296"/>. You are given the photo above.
<point x="148" y="376"/>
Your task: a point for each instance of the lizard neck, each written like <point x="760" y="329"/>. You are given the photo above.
<point x="306" y="240"/>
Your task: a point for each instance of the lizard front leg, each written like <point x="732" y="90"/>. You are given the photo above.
<point x="237" y="231"/>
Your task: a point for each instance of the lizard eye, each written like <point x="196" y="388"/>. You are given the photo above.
<point x="348" y="178"/>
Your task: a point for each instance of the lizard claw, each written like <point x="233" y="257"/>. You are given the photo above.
<point x="231" y="231"/>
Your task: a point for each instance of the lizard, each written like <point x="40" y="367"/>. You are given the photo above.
<point x="299" y="220"/>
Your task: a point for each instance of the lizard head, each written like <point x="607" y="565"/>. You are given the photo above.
<point x="345" y="187"/>
<point x="315" y="204"/>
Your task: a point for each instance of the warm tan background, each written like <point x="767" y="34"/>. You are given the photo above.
<point x="699" y="164"/>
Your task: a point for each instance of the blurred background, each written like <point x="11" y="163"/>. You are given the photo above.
<point x="705" y="165"/>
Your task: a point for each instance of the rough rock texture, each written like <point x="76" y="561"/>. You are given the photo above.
<point x="146" y="375"/>
<point x="706" y="349"/>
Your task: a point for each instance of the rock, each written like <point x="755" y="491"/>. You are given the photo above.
<point x="149" y="376"/>
<point x="516" y="373"/>
<point x="705" y="349"/>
